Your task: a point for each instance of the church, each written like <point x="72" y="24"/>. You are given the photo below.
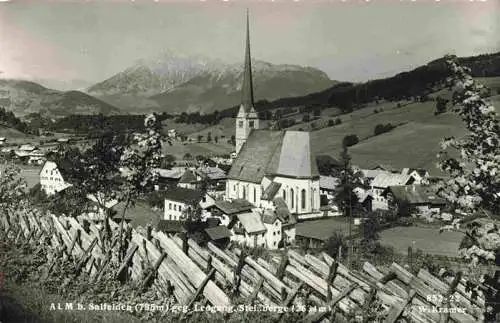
<point x="271" y="164"/>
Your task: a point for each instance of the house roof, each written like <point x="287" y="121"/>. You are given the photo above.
<point x="271" y="191"/>
<point x="286" y="153"/>
<point x="328" y="182"/>
<point x="269" y="217"/>
<point x="183" y="195"/>
<point x="233" y="207"/>
<point x="27" y="147"/>
<point x="218" y="232"/>
<point x="414" y="194"/>
<point x="282" y="211"/>
<point x="213" y="173"/>
<point x="386" y="180"/>
<point x="384" y="167"/>
<point x="252" y="222"/>
<point x="188" y="177"/>
<point x="372" y="173"/>
<point x="174" y="173"/>
<point x="171" y="226"/>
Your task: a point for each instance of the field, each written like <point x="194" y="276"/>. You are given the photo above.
<point x="429" y="240"/>
<point x="179" y="149"/>
<point x="324" y="228"/>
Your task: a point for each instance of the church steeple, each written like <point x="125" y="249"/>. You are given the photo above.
<point x="247" y="118"/>
<point x="247" y="89"/>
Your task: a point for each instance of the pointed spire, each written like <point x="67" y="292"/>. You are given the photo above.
<point x="247" y="89"/>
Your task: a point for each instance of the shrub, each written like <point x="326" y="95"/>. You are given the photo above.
<point x="405" y="222"/>
<point x="350" y="140"/>
<point x="440" y="105"/>
<point x="331" y="123"/>
<point x="382" y="128"/>
<point x="338" y="121"/>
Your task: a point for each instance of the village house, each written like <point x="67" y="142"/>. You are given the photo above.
<point x="52" y="177"/>
<point x="419" y="197"/>
<point x="381" y="182"/>
<point x="169" y="177"/>
<point x="188" y="180"/>
<point x="180" y="200"/>
<point x="215" y="177"/>
<point x="421" y="176"/>
<point x="226" y="210"/>
<point x="328" y="186"/>
<point x="365" y="199"/>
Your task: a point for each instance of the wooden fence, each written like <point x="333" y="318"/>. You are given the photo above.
<point x="172" y="265"/>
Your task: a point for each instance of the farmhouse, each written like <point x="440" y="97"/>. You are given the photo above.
<point x="215" y="176"/>
<point x="382" y="181"/>
<point x="188" y="180"/>
<point x="179" y="200"/>
<point x="328" y="186"/>
<point x="225" y="210"/>
<point x="52" y="177"/>
<point x="420" y="175"/>
<point x="169" y="177"/>
<point x="420" y="197"/>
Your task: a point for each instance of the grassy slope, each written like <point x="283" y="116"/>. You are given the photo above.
<point x="413" y="144"/>
<point x="12" y="134"/>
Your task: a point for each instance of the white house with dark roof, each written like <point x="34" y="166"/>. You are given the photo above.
<point x="178" y="200"/>
<point x="52" y="178"/>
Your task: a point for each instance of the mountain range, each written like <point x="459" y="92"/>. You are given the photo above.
<point x="25" y="97"/>
<point x="176" y="84"/>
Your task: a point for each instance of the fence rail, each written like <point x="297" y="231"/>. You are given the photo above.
<point x="180" y="267"/>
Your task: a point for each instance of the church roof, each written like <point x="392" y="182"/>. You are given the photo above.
<point x="271" y="191"/>
<point x="285" y="153"/>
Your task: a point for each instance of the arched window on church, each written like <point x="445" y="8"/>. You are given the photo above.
<point x="244" y="193"/>
<point x="284" y="195"/>
<point x="292" y="199"/>
<point x="303" y="199"/>
<point x="254" y="195"/>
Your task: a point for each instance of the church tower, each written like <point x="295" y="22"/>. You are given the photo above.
<point x="247" y="118"/>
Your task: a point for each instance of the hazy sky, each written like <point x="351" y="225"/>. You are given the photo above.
<point x="81" y="42"/>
